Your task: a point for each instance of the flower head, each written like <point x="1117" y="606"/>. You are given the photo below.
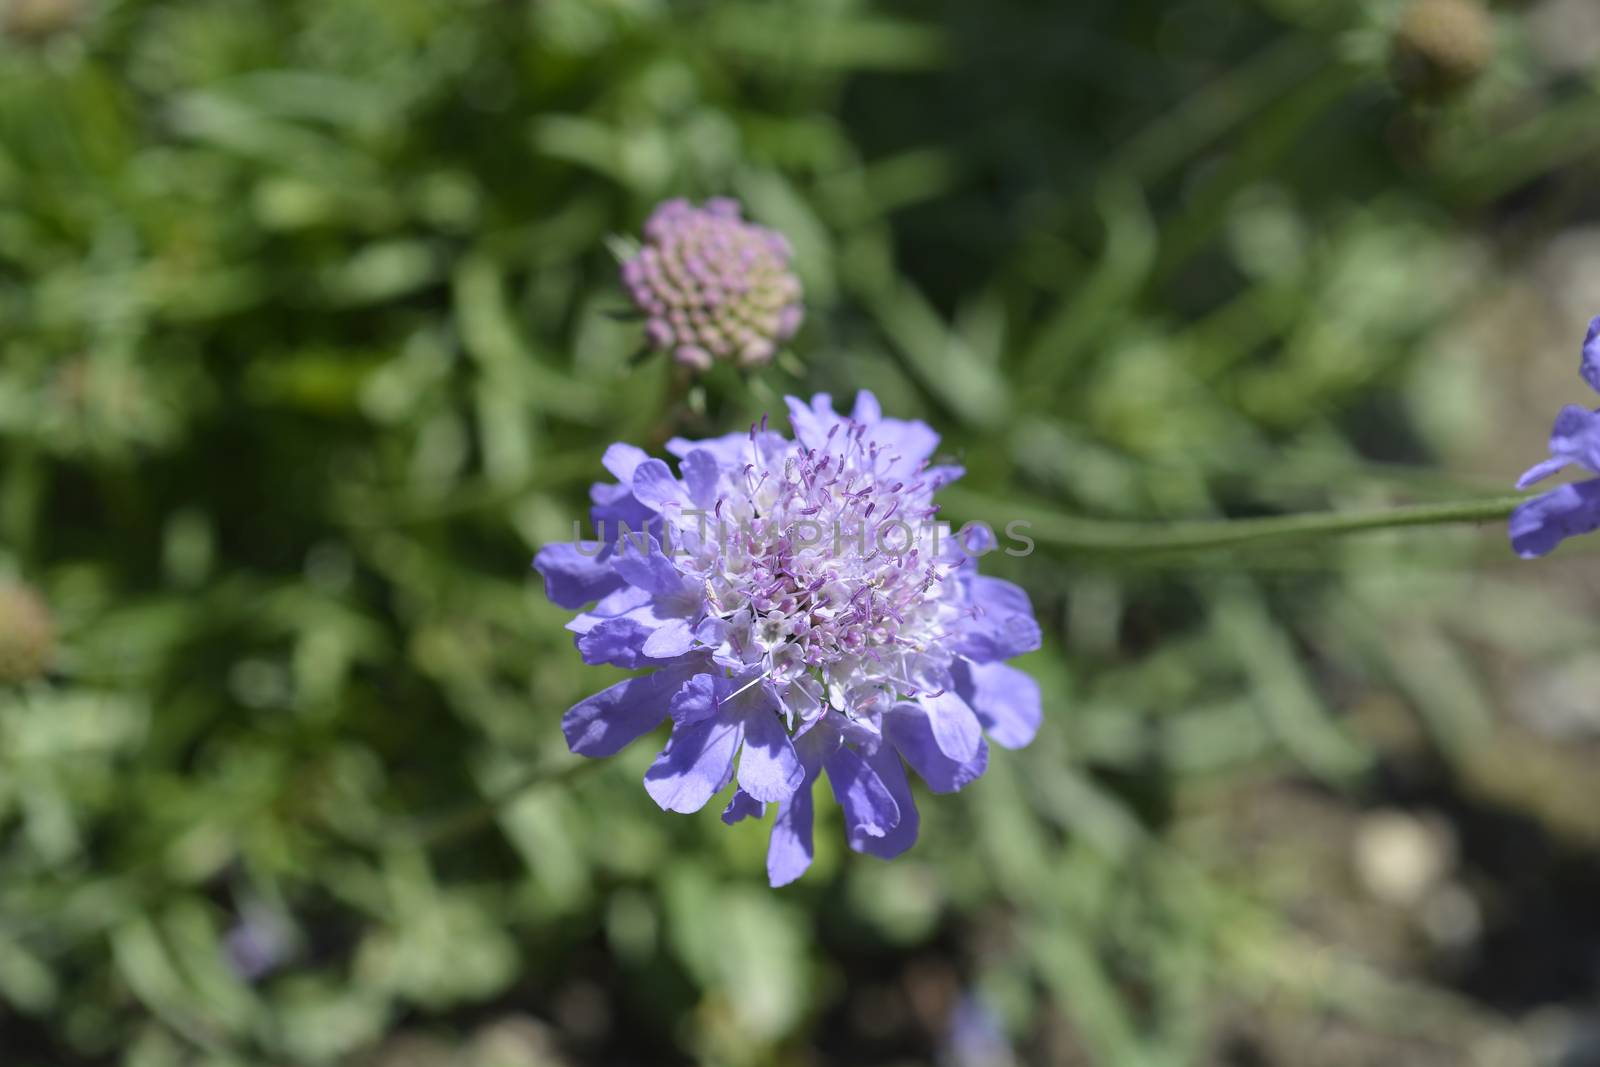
<point x="1442" y="46"/>
<point x="27" y="635"/>
<point x="713" y="285"/>
<point x="37" y="20"/>
<point x="1542" y="523"/>
<point x="804" y="614"/>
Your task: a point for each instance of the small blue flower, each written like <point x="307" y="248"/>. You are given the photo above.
<point x="801" y="613"/>
<point x="1542" y="523"/>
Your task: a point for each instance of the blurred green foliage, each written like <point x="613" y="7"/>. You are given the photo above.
<point x="306" y="349"/>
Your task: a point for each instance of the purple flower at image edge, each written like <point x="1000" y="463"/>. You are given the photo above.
<point x="1543" y="522"/>
<point x="800" y="614"/>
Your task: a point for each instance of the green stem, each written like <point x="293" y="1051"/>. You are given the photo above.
<point x="1112" y="536"/>
<point x="675" y="392"/>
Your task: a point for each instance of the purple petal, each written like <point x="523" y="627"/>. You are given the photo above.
<point x="701" y="473"/>
<point x="603" y="724"/>
<point x="999" y="597"/>
<point x="1004" y="625"/>
<point x="865" y="731"/>
<point x="695" y="702"/>
<point x="867" y="410"/>
<point x="646" y="630"/>
<point x="1005" y="699"/>
<point x="1542" y="523"/>
<point x="614" y="507"/>
<point x="624" y="600"/>
<point x="886" y="764"/>
<point x="655" y="487"/>
<point x="1576" y="437"/>
<point x="572" y="575"/>
<point x="954" y="725"/>
<point x="908" y="442"/>
<point x="729" y="450"/>
<point x="911" y="733"/>
<point x="742" y="806"/>
<point x="869" y="808"/>
<point x="711" y="631"/>
<point x="649" y="569"/>
<point x="619" y="642"/>
<point x="671" y="640"/>
<point x="943" y="475"/>
<point x="969" y="544"/>
<point x="1590" y="368"/>
<point x="1540" y="471"/>
<point x="622" y="460"/>
<point x="811" y="424"/>
<point x="789" y="851"/>
<point x="695" y="766"/>
<point x="769" y="767"/>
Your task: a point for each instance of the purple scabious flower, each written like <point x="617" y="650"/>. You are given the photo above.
<point x="713" y="285"/>
<point x="1540" y="524"/>
<point x="258" y="943"/>
<point x="800" y="613"/>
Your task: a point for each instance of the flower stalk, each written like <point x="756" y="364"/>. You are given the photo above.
<point x="1120" y="537"/>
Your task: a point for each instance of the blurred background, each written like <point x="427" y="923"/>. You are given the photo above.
<point x="307" y="344"/>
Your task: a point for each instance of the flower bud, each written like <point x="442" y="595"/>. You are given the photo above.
<point x="1441" y="46"/>
<point x="713" y="286"/>
<point x="27" y="635"/>
<point x="35" y="20"/>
